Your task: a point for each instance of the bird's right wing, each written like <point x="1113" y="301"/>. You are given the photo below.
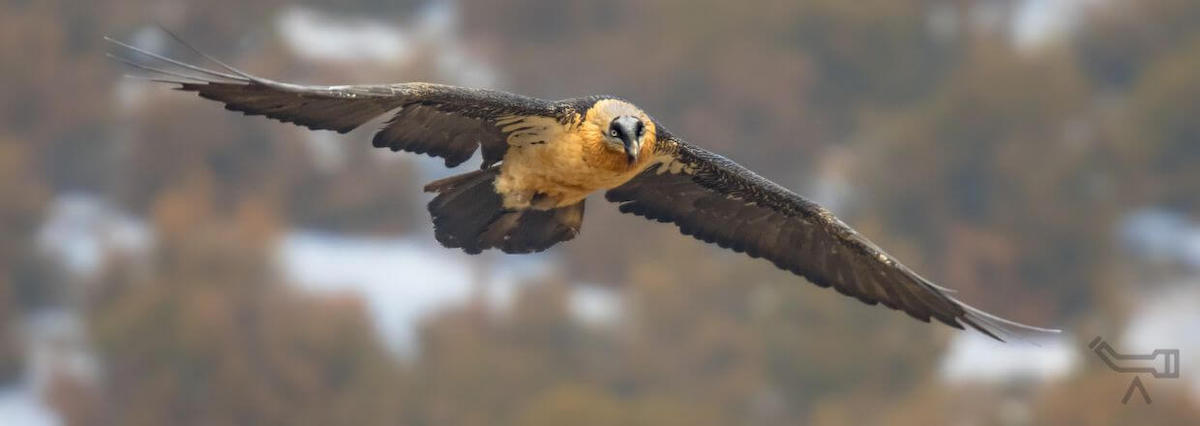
<point x="439" y="120"/>
<point x="718" y="201"/>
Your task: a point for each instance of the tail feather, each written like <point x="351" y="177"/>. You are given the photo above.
<point x="469" y="214"/>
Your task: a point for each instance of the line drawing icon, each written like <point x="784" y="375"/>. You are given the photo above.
<point x="1160" y="363"/>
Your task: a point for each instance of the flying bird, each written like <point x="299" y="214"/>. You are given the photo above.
<point x="542" y="158"/>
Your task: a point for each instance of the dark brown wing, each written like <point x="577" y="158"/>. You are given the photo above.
<point x="718" y="201"/>
<point x="438" y="120"/>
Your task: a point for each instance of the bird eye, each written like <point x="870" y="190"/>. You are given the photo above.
<point x="613" y="133"/>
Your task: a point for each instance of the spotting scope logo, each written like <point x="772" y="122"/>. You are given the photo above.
<point x="1161" y="363"/>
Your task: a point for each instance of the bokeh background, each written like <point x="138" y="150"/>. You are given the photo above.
<point x="163" y="261"/>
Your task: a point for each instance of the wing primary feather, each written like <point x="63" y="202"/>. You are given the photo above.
<point x="204" y="55"/>
<point x="875" y="252"/>
<point x="177" y="63"/>
<point x="1004" y="326"/>
<point x="156" y="70"/>
<point x="1010" y="323"/>
<point x="154" y="79"/>
<point x="980" y="328"/>
<point x="936" y="304"/>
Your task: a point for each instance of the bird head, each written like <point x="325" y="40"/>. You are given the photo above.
<point x="623" y="128"/>
<point x="625" y="133"/>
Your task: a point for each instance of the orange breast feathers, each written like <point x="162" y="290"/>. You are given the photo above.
<point x="567" y="162"/>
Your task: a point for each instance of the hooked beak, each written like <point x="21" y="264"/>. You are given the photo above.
<point x="632" y="149"/>
<point x="627" y="127"/>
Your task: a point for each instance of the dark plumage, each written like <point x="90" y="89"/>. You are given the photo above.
<point x="468" y="214"/>
<point x="542" y="158"/>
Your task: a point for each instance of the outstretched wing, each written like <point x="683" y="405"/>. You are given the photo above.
<point x="438" y="120"/>
<point x="718" y="201"/>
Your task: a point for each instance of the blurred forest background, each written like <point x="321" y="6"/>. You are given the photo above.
<point x="164" y="261"/>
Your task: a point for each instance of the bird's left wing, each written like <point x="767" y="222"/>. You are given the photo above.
<point x="439" y="120"/>
<point x="718" y="201"/>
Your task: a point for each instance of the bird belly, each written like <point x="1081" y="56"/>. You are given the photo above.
<point x="560" y="171"/>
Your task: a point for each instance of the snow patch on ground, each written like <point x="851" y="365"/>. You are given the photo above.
<point x="80" y="230"/>
<point x="402" y="279"/>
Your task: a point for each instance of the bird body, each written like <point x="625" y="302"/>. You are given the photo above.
<point x="541" y="159"/>
<point x="560" y="164"/>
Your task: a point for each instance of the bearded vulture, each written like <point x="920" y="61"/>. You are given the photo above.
<point x="542" y="158"/>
